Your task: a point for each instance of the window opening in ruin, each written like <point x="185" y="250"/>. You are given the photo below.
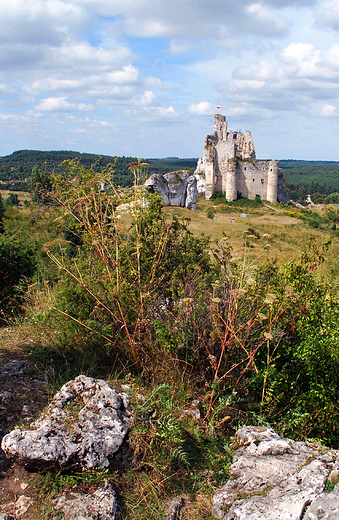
<point x="253" y="180"/>
<point x="262" y="181"/>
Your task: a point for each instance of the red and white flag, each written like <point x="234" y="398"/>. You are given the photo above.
<point x="218" y="106"/>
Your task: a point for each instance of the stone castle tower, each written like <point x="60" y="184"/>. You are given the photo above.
<point x="229" y="165"/>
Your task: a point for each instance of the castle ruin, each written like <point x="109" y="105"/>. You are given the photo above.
<point x="229" y="165"/>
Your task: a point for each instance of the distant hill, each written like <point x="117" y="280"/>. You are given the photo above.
<point x="18" y="165"/>
<point x="317" y="178"/>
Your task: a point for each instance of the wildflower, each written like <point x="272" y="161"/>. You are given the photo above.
<point x="270" y="298"/>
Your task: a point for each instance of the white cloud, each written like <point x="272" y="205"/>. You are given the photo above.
<point x="128" y="74"/>
<point x="60" y="104"/>
<point x="168" y="113"/>
<point x="303" y="60"/>
<point x="201" y="19"/>
<point x="146" y="99"/>
<point x="155" y="83"/>
<point x="329" y="111"/>
<point x="266" y="20"/>
<point x="76" y="56"/>
<point x="78" y="130"/>
<point x="51" y="83"/>
<point x="262" y="70"/>
<point x="327" y="14"/>
<point x="153" y="113"/>
<point x="6" y="89"/>
<point x="180" y="46"/>
<point x="39" y="21"/>
<point x="202" y="108"/>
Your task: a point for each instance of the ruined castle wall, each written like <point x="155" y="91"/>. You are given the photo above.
<point x="224" y="151"/>
<point x="244" y="146"/>
<point x="272" y="186"/>
<point x="209" y="169"/>
<point x="231" y="184"/>
<point x="220" y="126"/>
<point x="229" y="165"/>
<point x="252" y="179"/>
<point x="258" y="178"/>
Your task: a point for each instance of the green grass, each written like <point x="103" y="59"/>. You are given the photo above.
<point x="289" y="235"/>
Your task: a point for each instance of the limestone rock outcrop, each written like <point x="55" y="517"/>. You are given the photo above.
<point x="176" y="188"/>
<point x="100" y="505"/>
<point x="85" y="422"/>
<point x="273" y="478"/>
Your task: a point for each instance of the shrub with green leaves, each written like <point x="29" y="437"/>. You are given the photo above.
<point x="110" y="284"/>
<point x="2" y="214"/>
<point x="17" y="266"/>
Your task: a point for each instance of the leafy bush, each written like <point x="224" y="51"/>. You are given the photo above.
<point x="210" y="213"/>
<point x="110" y="284"/>
<point x="17" y="266"/>
<point x="12" y="200"/>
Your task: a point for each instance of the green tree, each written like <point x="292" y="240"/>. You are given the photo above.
<point x="12" y="200"/>
<point x="17" y="266"/>
<point x="2" y="214"/>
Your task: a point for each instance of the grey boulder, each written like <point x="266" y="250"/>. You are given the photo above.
<point x="325" y="507"/>
<point x="273" y="478"/>
<point x="85" y="422"/>
<point x="100" y="505"/>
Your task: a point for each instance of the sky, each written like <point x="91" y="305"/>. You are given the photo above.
<point x="144" y="77"/>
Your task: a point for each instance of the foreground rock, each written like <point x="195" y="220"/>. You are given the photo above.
<point x="86" y="422"/>
<point x="173" y="507"/>
<point x="100" y="505"/>
<point x="273" y="478"/>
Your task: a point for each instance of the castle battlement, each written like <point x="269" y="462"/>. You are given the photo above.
<point x="229" y="165"/>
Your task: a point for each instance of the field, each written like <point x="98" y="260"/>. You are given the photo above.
<point x="289" y="236"/>
<point x="23" y="195"/>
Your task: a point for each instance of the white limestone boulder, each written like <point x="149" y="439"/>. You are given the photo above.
<point x="176" y="188"/>
<point x="273" y="478"/>
<point x="85" y="422"/>
<point x="100" y="505"/>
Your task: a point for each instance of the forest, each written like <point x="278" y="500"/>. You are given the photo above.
<point x="16" y="169"/>
<point x="320" y="179"/>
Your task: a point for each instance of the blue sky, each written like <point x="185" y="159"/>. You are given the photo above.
<point x="144" y="77"/>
